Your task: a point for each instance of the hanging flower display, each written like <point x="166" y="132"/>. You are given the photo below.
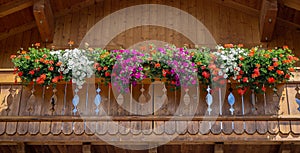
<point x="254" y="68"/>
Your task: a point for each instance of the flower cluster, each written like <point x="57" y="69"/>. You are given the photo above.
<point x="127" y="69"/>
<point x="77" y="62"/>
<point x="37" y="66"/>
<point x="174" y="64"/>
<point x="254" y="68"/>
<point x="262" y="68"/>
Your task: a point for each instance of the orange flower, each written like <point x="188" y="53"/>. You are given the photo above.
<point x="42" y="60"/>
<point x="279" y="72"/>
<point x="275" y="64"/>
<point x="157" y="65"/>
<point x="285" y="47"/>
<point x="257" y="65"/>
<point x="199" y="63"/>
<point x="51" y="62"/>
<point x="71" y="43"/>
<point x="27" y="57"/>
<point x="55" y="80"/>
<point x="105" y="68"/>
<point x="242" y="58"/>
<point x="58" y="63"/>
<point x="192" y="54"/>
<point x="228" y="45"/>
<point x="37" y="44"/>
<point x="12" y="56"/>
<point x="296" y="59"/>
<point x="23" y="52"/>
<point x="240" y="45"/>
<point x="267" y="55"/>
<point x="271" y="68"/>
<point x="43" y="76"/>
<point x="291" y="69"/>
<point x="252" y="52"/>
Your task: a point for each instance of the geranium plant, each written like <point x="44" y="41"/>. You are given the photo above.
<point x="37" y="66"/>
<point x="262" y="68"/>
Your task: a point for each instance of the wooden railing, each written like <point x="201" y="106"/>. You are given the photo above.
<point x="147" y="108"/>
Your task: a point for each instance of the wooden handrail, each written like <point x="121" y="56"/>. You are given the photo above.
<point x="7" y="77"/>
<point x="149" y="118"/>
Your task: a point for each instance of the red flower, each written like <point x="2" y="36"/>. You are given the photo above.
<point x="245" y="79"/>
<point x="20" y="74"/>
<point x="39" y="80"/>
<point x="264" y="89"/>
<point x="205" y="74"/>
<point x="164" y="73"/>
<point x="99" y="69"/>
<point x="96" y="65"/>
<point x="287" y="76"/>
<point x="43" y="76"/>
<point x="271" y="80"/>
<point x="238" y="77"/>
<point x="105" y="68"/>
<point x="242" y="91"/>
<point x="51" y="62"/>
<point x="55" y="79"/>
<point x="279" y="72"/>
<point x="31" y="72"/>
<point x="275" y="64"/>
<point x="51" y="68"/>
<point x="107" y="74"/>
<point x="256" y="73"/>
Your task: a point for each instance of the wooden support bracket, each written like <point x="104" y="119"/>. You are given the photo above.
<point x="44" y="19"/>
<point x="268" y="16"/>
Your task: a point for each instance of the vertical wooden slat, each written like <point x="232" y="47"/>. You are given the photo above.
<point x="13" y="103"/>
<point x="34" y="127"/>
<point x="293" y="106"/>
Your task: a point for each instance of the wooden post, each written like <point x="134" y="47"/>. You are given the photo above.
<point x="21" y="148"/>
<point x="219" y="148"/>
<point x="285" y="148"/>
<point x="268" y="15"/>
<point x="44" y="19"/>
<point x="86" y="148"/>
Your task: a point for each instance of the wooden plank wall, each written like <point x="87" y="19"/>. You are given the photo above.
<point x="227" y="25"/>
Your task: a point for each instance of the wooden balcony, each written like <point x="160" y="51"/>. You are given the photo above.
<point x="29" y="113"/>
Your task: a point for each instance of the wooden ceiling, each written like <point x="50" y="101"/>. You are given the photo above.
<point x="18" y="15"/>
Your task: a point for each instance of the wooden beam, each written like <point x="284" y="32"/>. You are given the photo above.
<point x="44" y="19"/>
<point x="268" y="16"/>
<point x="86" y="148"/>
<point x="31" y="25"/>
<point x="21" y="148"/>
<point x="295" y="4"/>
<point x="14" y="6"/>
<point x="65" y="118"/>
<point x="237" y="6"/>
<point x="219" y="148"/>
<point x="285" y="148"/>
<point x="17" y="30"/>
